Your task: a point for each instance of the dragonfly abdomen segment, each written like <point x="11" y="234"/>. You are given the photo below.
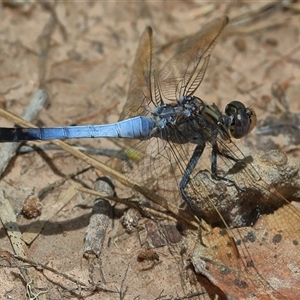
<point x="133" y="128"/>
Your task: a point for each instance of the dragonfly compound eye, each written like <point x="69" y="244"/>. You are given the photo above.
<point x="242" y="119"/>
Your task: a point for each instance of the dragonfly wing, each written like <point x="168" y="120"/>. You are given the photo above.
<point x="142" y="80"/>
<point x="184" y="72"/>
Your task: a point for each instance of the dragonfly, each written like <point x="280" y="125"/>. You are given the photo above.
<point x="176" y="116"/>
<point x="175" y="129"/>
<point x="139" y="121"/>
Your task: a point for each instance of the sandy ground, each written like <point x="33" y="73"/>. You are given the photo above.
<point x="81" y="54"/>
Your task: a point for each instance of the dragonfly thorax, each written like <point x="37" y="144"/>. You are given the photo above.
<point x="192" y="120"/>
<point x="168" y="114"/>
<point x="190" y="104"/>
<point x="188" y="120"/>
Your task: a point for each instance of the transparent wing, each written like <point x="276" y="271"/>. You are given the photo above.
<point x="184" y="72"/>
<point x="141" y="87"/>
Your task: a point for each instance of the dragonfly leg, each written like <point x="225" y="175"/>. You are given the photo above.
<point x="216" y="151"/>
<point x="214" y="174"/>
<point x="186" y="177"/>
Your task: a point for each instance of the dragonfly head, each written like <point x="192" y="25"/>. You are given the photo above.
<point x="240" y="120"/>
